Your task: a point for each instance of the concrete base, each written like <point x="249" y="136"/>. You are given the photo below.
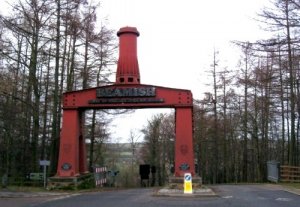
<point x="177" y="182"/>
<point x="195" y="179"/>
<point x="197" y="192"/>
<point x="69" y="182"/>
<point x="175" y="188"/>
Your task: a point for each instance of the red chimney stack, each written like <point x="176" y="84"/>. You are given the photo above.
<point x="128" y="67"/>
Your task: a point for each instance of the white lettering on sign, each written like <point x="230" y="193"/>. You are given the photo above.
<point x="125" y="92"/>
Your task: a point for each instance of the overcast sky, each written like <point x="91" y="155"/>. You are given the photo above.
<point x="177" y="40"/>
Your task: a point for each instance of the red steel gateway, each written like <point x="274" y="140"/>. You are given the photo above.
<point x="127" y="92"/>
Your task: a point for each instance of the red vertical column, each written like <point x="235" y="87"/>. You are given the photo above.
<point x="184" y="151"/>
<point x="82" y="149"/>
<point x="68" y="161"/>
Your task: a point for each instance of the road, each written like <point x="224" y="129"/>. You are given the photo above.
<point x="228" y="195"/>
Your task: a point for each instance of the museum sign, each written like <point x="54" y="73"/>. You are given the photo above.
<point x="126" y="92"/>
<point x="126" y="95"/>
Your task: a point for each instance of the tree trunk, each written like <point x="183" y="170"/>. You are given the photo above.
<point x="55" y="127"/>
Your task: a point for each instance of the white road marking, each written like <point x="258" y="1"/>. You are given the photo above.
<point x="63" y="197"/>
<point x="261" y="198"/>
<point x="283" y="199"/>
<point x="227" y="197"/>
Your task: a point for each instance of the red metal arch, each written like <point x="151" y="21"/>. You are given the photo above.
<point x="128" y="96"/>
<point x="72" y="155"/>
<point x="127" y="92"/>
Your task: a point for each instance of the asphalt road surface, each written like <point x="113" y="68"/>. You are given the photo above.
<point x="228" y="195"/>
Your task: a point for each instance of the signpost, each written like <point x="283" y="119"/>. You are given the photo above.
<point x="45" y="163"/>
<point x="188" y="189"/>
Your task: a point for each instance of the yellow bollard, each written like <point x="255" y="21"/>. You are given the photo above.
<point x="188" y="187"/>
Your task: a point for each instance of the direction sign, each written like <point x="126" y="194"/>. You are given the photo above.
<point x="187" y="177"/>
<point x="44" y="162"/>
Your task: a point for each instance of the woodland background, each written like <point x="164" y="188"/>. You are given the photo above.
<point x="250" y="115"/>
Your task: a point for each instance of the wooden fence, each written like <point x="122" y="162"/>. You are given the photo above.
<point x="289" y="174"/>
